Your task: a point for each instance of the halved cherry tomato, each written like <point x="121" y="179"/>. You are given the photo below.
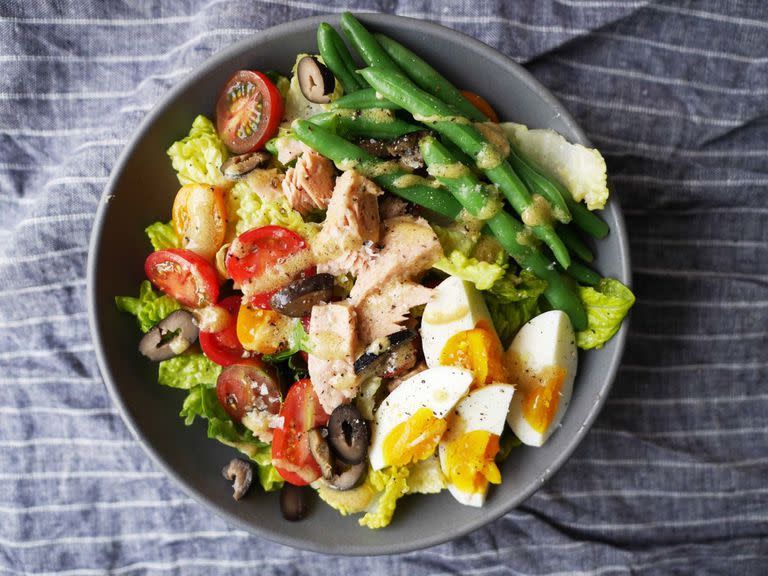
<point x="183" y="275"/>
<point x="200" y="218"/>
<point x="241" y="388"/>
<point x="301" y="412"/>
<point x="248" y="111"/>
<point x="263" y="331"/>
<point x="481" y="104"/>
<point x="223" y="347"/>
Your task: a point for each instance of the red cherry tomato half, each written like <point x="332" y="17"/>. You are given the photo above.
<point x="255" y="254"/>
<point x="248" y="111"/>
<point x="301" y="413"/>
<point x="184" y="276"/>
<point x="223" y="347"/>
<point x="481" y="104"/>
<point x="241" y="388"/>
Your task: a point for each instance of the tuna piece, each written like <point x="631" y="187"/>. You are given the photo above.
<point x="289" y="149"/>
<point x="309" y="185"/>
<point x="383" y="311"/>
<point x="331" y="364"/>
<point x="351" y="225"/>
<point x="409" y="247"/>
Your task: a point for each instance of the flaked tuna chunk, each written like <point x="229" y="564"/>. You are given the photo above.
<point x="351" y="223"/>
<point x="391" y="207"/>
<point x="309" y="185"/>
<point x="409" y="247"/>
<point x="331" y="364"/>
<point x="289" y="149"/>
<point x="383" y="311"/>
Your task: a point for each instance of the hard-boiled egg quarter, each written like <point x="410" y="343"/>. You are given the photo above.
<point x="411" y="420"/>
<point x="469" y="446"/>
<point x="542" y="362"/>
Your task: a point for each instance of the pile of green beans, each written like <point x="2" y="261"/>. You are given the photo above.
<point x="401" y="82"/>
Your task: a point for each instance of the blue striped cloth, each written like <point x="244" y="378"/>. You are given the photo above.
<point x="672" y="479"/>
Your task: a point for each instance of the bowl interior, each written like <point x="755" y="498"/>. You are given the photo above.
<point x="141" y="191"/>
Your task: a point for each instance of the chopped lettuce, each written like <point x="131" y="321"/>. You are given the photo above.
<point x="512" y="301"/>
<point x="187" y="371"/>
<point x="426" y="477"/>
<point x="607" y="304"/>
<point x="149" y="308"/>
<point x="470" y="255"/>
<point x="581" y="170"/>
<point x="198" y="157"/>
<point x="202" y="402"/>
<point x="254" y="212"/>
<point x="391" y="484"/>
<point x="163" y="236"/>
<point x="296" y="105"/>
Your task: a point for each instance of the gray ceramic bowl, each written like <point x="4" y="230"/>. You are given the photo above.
<point x="141" y="191"/>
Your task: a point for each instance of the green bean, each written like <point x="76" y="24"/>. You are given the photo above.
<point x="365" y="44"/>
<point x="475" y="197"/>
<point x="343" y="153"/>
<point x="429" y="79"/>
<point x="588" y="221"/>
<point x="346" y="58"/>
<point x="583" y="274"/>
<point x="328" y="43"/>
<point x="539" y="184"/>
<point x="439" y="116"/>
<point x="574" y="242"/>
<point x="365" y="124"/>
<point x="363" y="100"/>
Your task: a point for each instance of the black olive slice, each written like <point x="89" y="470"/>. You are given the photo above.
<point x="376" y="355"/>
<point x="298" y="298"/>
<point x="337" y="474"/>
<point x="348" y="434"/>
<point x="317" y="83"/>
<point x="169" y="337"/>
<point x="238" y="167"/>
<point x="294" y="502"/>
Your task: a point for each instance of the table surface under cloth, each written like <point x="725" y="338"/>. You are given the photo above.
<point x="671" y="479"/>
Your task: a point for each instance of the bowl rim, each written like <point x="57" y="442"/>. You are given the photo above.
<point x="432" y="29"/>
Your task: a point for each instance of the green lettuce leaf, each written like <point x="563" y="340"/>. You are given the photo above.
<point x="581" y="170"/>
<point x="512" y="301"/>
<point x="202" y="402"/>
<point x="163" y="236"/>
<point x="253" y="212"/>
<point x="187" y="371"/>
<point x="482" y="274"/>
<point x="198" y="157"/>
<point x="149" y="308"/>
<point x="607" y="304"/>
<point x="471" y="256"/>
<point x="391" y="484"/>
<point x="298" y="341"/>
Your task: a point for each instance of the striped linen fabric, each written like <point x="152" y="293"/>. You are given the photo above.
<point x="672" y="479"/>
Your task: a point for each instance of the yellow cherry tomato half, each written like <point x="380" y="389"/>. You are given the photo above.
<point x="200" y="218"/>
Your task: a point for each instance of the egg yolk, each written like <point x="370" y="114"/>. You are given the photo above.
<point x="540" y="402"/>
<point x="414" y="439"/>
<point x="479" y="351"/>
<point x="469" y="461"/>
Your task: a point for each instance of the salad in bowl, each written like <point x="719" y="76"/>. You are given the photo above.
<point x="370" y="286"/>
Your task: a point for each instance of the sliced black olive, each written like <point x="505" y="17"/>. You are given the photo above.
<point x="406" y="148"/>
<point x="169" y="337"/>
<point x="379" y="148"/>
<point x="375" y="358"/>
<point x="337" y="474"/>
<point x="294" y="502"/>
<point x="317" y="83"/>
<point x="240" y="473"/>
<point x="238" y="166"/>
<point x="348" y="434"/>
<point x="298" y="298"/>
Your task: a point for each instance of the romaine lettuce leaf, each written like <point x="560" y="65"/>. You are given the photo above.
<point x="198" y="157"/>
<point x="298" y="341"/>
<point x="471" y="256"/>
<point x="254" y="212"/>
<point x="482" y="274"/>
<point x="202" y="402"/>
<point x="187" y="371"/>
<point x="512" y="301"/>
<point x="391" y="484"/>
<point x="149" y="308"/>
<point x="581" y="170"/>
<point x="163" y="236"/>
<point x="607" y="304"/>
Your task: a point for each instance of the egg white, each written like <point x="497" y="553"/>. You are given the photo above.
<point x="456" y="306"/>
<point x="438" y="389"/>
<point x="546" y="340"/>
<point x="483" y="409"/>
